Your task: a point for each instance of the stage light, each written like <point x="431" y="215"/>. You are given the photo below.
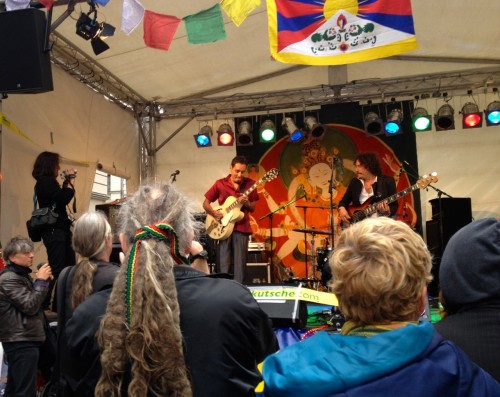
<point x="244" y="136"/>
<point x="296" y="135"/>
<point x="315" y="129"/>
<point x="88" y="28"/>
<point x="373" y="124"/>
<point x="267" y="131"/>
<point x="393" y="124"/>
<point x="420" y="120"/>
<point x="444" y="119"/>
<point x="471" y="116"/>
<point x="225" y="135"/>
<point x="204" y="137"/>
<point x="492" y="114"/>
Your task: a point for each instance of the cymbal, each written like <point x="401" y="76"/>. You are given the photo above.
<point x="312" y="231"/>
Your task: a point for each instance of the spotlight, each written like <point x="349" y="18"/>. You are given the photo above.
<point x="289" y="125"/>
<point x="90" y="29"/>
<point x="267" y="131"/>
<point x="203" y="138"/>
<point x="225" y="135"/>
<point x="393" y="123"/>
<point x="244" y="136"/>
<point x="315" y="129"/>
<point x="492" y="114"/>
<point x="373" y="124"/>
<point x="444" y="119"/>
<point x="421" y="121"/>
<point x="471" y="116"/>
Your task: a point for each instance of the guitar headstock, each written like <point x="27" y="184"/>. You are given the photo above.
<point x="270" y="175"/>
<point x="426" y="180"/>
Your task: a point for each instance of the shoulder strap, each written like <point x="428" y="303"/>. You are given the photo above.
<point x="35" y="199"/>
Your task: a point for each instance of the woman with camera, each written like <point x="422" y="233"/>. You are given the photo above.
<point x="49" y="193"/>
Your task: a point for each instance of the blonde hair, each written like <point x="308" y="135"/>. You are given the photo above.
<point x="150" y="348"/>
<point x="89" y="241"/>
<point x="379" y="268"/>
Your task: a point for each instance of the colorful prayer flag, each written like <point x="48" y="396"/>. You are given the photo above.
<point x="329" y="32"/>
<point x="238" y="10"/>
<point x="205" y="26"/>
<point x="16" y="4"/>
<point x="47" y="3"/>
<point x="159" y="29"/>
<point x="132" y="14"/>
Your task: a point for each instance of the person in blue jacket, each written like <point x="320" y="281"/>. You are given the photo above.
<point x="381" y="269"/>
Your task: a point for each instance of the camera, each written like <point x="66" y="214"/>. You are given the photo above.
<point x="68" y="176"/>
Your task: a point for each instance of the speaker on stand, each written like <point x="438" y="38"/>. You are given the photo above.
<point x="448" y="216"/>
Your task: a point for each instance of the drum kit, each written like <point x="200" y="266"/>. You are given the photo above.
<point x="319" y="258"/>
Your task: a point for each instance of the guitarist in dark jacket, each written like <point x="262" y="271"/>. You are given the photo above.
<point x="233" y="250"/>
<point x="369" y="186"/>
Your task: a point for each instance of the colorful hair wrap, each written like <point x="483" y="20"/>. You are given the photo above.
<point x="160" y="231"/>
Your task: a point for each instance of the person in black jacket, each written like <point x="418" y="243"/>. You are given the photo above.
<point x="21" y="319"/>
<point x="368" y="186"/>
<point x="169" y="328"/>
<point x="469" y="278"/>
<point x="57" y="238"/>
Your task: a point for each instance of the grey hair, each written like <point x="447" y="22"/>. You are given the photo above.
<point x="16" y="245"/>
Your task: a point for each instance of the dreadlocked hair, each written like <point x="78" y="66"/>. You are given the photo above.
<point x="148" y="343"/>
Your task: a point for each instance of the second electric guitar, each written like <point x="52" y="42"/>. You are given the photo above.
<point x="231" y="211"/>
<point x="366" y="209"/>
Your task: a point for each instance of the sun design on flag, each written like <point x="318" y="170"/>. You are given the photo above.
<point x="331" y="7"/>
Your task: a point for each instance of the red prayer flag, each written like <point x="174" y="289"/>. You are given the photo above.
<point x="159" y="29"/>
<point x="47" y="3"/>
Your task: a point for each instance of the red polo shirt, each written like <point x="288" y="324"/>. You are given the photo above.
<point x="223" y="188"/>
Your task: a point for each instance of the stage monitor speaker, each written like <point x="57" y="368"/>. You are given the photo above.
<point x="453" y="213"/>
<point x="282" y="312"/>
<point x="24" y="63"/>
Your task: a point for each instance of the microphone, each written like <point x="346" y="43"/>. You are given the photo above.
<point x="176" y="172"/>
<point x="301" y="191"/>
<point x="40" y="265"/>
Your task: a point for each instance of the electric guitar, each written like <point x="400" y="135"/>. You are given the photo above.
<point x="231" y="211"/>
<point x="360" y="212"/>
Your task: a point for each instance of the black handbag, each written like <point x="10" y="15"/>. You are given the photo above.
<point x="41" y="219"/>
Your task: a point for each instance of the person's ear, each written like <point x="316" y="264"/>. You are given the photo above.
<point x="123" y="242"/>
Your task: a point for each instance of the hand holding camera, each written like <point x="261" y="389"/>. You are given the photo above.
<point x="68" y="174"/>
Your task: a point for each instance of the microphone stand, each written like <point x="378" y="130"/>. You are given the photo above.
<point x="174" y="176"/>
<point x="270" y="216"/>
<point x="330" y="190"/>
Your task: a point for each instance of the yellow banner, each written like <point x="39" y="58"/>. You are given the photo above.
<point x="278" y="292"/>
<point x="9" y="124"/>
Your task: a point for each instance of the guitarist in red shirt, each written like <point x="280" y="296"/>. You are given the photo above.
<point x="233" y="249"/>
<point x="369" y="186"/>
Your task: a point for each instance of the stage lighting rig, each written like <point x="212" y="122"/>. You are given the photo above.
<point x="89" y="28"/>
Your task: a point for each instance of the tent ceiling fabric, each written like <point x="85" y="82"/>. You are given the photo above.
<point x="461" y="34"/>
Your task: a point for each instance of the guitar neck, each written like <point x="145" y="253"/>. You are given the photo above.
<point x="371" y="209"/>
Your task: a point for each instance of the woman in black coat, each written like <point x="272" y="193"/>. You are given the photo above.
<point x="57" y="238"/>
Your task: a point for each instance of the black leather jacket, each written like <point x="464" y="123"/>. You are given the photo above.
<point x="21" y="317"/>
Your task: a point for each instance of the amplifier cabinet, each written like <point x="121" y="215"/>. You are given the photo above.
<point x="257" y="273"/>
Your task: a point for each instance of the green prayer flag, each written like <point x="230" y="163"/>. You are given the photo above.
<point x="205" y="26"/>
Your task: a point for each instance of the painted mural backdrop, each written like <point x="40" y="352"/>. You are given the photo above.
<point x="300" y="197"/>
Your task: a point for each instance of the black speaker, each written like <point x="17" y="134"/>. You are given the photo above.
<point x="452" y="214"/>
<point x="24" y="63"/>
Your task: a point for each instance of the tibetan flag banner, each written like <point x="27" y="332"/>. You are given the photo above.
<point x="132" y="15"/>
<point x="205" y="26"/>
<point x="238" y="10"/>
<point x="337" y="32"/>
<point x="159" y="30"/>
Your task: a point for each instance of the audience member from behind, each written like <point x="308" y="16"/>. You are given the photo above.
<point x="160" y="307"/>
<point x="21" y="318"/>
<point x="469" y="278"/>
<point x="381" y="269"/>
<point x="57" y="239"/>
<point x="92" y="241"/>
